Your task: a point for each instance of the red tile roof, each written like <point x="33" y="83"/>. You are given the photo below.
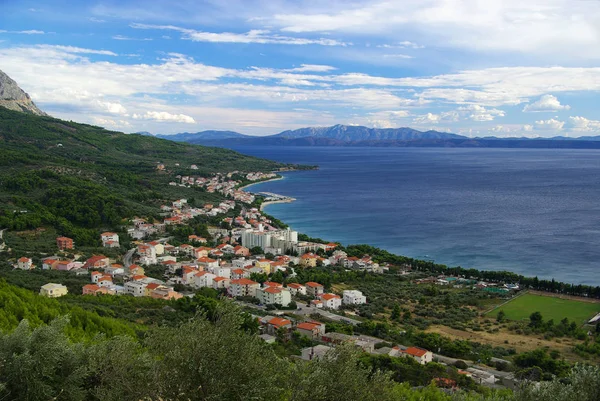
<point x="272" y="284"/>
<point x="414" y="351"/>
<point x="294" y="285"/>
<point x="313" y="284"/>
<point x="243" y="281"/>
<point x="327" y="297"/>
<point x="279" y="322"/>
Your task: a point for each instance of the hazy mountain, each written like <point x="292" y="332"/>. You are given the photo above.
<point x="203" y="135"/>
<point x="14" y="98"/>
<point x="351" y="133"/>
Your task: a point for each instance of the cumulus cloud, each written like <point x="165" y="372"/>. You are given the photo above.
<point x="578" y="123"/>
<point x="476" y="112"/>
<point x="550" y="124"/>
<point x="527" y="127"/>
<point x="163" y="116"/>
<point x="546" y="103"/>
<point x="123" y="37"/>
<point x="261" y="36"/>
<point x="312" y="68"/>
<point x="402" y="45"/>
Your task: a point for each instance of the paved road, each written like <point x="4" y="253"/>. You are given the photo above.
<point x="307" y="310"/>
<point x="128" y="256"/>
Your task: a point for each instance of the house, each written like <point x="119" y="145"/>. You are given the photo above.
<point x="95" y="276"/>
<point x="105" y="281"/>
<point x="188" y="275"/>
<point x="241" y="251"/>
<point x="151" y="287"/>
<point x="222" y="272"/>
<point x="314" y="289"/>
<point x="264" y="264"/>
<point x="243" y="288"/>
<point x="135" y="288"/>
<point x="353" y="297"/>
<point x="308" y="260"/>
<point x="49" y="263"/>
<point x="52" y="290"/>
<point x="204" y="279"/>
<point x="64" y="243"/>
<point x="419" y="354"/>
<point x="272" y="284"/>
<point x="207" y="263"/>
<point x="312" y="330"/>
<point x="296" y="289"/>
<point x="64" y="265"/>
<point x="24" y="264"/>
<point x="274" y="296"/>
<point x="317" y="303"/>
<point x="220" y="282"/>
<point x="135" y="270"/>
<point x="276" y="323"/>
<point x="97" y="262"/>
<point x="331" y="301"/>
<point x="110" y="240"/>
<point x="239" y="273"/>
<point x="316" y="352"/>
<point x="93" y="289"/>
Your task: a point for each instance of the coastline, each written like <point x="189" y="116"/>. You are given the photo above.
<point x="517" y="276"/>
<point x="260" y="182"/>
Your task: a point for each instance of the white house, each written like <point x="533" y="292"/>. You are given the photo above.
<point x="274" y="295"/>
<point x="220" y="282"/>
<point x="24" y="264"/>
<point x="243" y="287"/>
<point x="316" y="352"/>
<point x="419" y="354"/>
<point x="110" y="240"/>
<point x="222" y="272"/>
<point x="353" y="297"/>
<point x="135" y="288"/>
<point x="296" y="288"/>
<point x="52" y="290"/>
<point x="204" y="279"/>
<point x="331" y="301"/>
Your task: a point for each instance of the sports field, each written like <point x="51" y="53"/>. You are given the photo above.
<point x="550" y="308"/>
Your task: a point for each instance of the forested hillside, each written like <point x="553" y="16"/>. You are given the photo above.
<point x="77" y="177"/>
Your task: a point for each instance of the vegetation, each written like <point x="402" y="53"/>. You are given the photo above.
<point x="550" y="308"/>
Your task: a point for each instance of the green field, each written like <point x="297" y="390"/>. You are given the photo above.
<point x="550" y="308"/>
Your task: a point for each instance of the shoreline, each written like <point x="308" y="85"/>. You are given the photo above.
<point x="260" y="182"/>
<point x="264" y="204"/>
<point x="290" y="200"/>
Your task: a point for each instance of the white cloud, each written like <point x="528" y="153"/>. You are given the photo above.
<point x="548" y="28"/>
<point x="527" y="127"/>
<point x="94" y="19"/>
<point x="312" y="68"/>
<point x="578" y="123"/>
<point x="402" y="45"/>
<point x="550" y="124"/>
<point x="253" y="36"/>
<point x="403" y="56"/>
<point x="77" y="50"/>
<point x="164" y="116"/>
<point x="476" y="112"/>
<point x="122" y="37"/>
<point x="546" y="103"/>
<point x="113" y="108"/>
<point x="27" y="32"/>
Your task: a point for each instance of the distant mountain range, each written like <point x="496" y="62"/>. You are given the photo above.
<point x="350" y="135"/>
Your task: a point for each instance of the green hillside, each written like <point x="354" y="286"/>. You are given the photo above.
<point x="77" y="177"/>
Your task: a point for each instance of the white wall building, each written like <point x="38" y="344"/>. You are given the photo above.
<point x="135" y="288"/>
<point x="353" y="297"/>
<point x="274" y="295"/>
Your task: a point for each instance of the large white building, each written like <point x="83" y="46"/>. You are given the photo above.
<point x="282" y="239"/>
<point x="274" y="295"/>
<point x="353" y="297"/>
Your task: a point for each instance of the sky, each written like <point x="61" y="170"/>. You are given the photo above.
<point x="474" y="67"/>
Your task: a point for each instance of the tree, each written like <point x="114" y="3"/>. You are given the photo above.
<point x="395" y="312"/>
<point x="501" y="316"/>
<point x="536" y="319"/>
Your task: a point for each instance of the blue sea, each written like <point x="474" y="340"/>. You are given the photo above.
<point x="535" y="211"/>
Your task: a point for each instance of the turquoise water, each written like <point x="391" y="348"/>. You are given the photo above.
<point x="534" y="211"/>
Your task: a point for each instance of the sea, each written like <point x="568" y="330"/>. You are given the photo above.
<point x="535" y="212"/>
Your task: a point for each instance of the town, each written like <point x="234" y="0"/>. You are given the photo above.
<point x="250" y="260"/>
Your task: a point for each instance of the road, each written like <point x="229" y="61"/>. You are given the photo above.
<point x="307" y="310"/>
<point x="128" y="256"/>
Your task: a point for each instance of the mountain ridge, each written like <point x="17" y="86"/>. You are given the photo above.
<point x="14" y="98"/>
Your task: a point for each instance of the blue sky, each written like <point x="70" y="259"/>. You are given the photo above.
<point x="474" y="67"/>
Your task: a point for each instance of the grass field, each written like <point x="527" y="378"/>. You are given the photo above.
<point x="550" y="308"/>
